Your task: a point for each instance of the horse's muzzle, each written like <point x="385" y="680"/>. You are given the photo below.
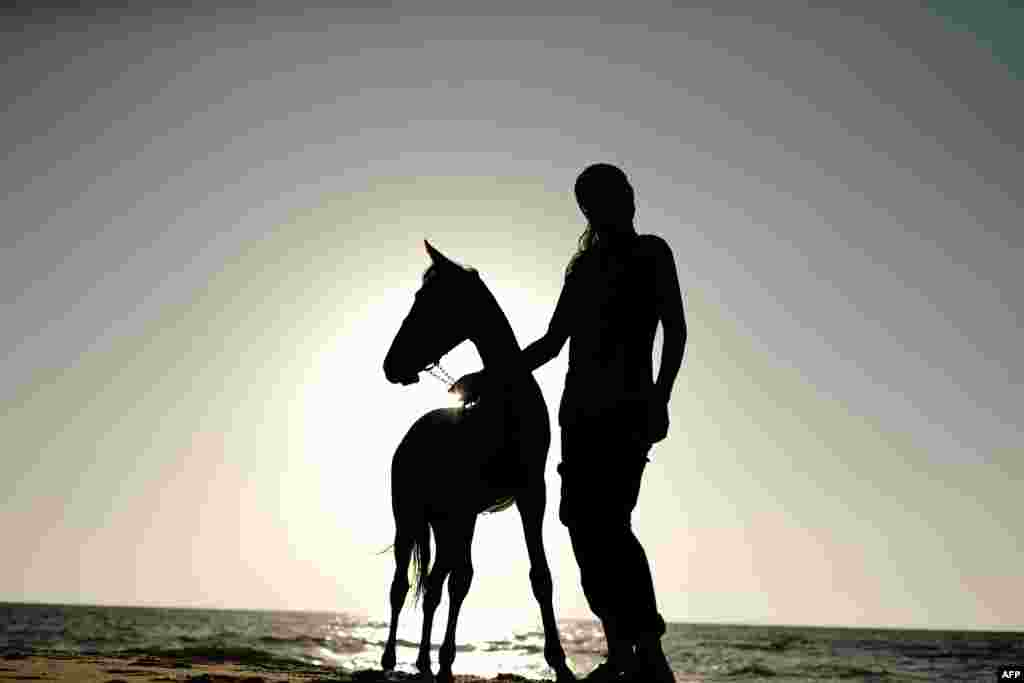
<point x="395" y="378"/>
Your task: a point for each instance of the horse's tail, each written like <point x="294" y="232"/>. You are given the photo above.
<point x="410" y="507"/>
<point x="420" y="554"/>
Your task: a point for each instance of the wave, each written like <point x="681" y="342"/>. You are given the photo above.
<point x="295" y="640"/>
<point x="752" y="670"/>
<point x="845" y="671"/>
<point x="211" y="654"/>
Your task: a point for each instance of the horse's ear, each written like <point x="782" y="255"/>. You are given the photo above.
<point x="437" y="257"/>
<point x="433" y="253"/>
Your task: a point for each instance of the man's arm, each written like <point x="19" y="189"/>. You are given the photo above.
<point x="669" y="302"/>
<point x="550" y="345"/>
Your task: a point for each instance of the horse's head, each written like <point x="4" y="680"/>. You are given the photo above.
<point x="437" y="321"/>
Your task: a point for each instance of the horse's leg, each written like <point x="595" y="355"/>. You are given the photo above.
<point x="399" y="588"/>
<point x="531" y="503"/>
<point x="458" y="586"/>
<point x="432" y="596"/>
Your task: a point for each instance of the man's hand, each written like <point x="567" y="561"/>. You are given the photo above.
<point x="469" y="387"/>
<point x="657" y="420"/>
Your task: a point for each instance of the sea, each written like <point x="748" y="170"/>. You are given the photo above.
<point x="340" y="641"/>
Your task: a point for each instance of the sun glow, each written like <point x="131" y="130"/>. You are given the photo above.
<point x="345" y="419"/>
<point x="485" y="637"/>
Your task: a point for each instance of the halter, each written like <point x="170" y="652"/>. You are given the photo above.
<point x="440" y="374"/>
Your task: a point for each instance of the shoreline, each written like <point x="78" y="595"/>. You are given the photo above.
<point x="96" y="668"/>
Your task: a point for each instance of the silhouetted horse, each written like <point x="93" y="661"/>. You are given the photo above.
<point x="455" y="463"/>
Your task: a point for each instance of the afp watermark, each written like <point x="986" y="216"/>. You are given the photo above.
<point x="1010" y="673"/>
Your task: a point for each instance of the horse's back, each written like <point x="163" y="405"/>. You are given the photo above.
<point x="499" y="443"/>
<point x="521" y="416"/>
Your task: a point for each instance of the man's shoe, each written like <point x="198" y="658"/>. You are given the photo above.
<point x="652" y="666"/>
<point x="606" y="672"/>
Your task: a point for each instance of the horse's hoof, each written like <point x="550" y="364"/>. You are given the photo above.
<point x="445" y="677"/>
<point x="387" y="662"/>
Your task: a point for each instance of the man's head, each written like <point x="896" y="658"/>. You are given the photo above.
<point x="605" y="197"/>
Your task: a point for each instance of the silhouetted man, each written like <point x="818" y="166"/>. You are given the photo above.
<point x="618" y="285"/>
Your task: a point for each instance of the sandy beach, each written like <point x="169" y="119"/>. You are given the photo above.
<point x="106" y="669"/>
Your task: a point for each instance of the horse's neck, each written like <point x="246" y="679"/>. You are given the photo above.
<point x="494" y="339"/>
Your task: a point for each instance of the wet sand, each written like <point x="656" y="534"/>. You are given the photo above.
<point x="145" y="668"/>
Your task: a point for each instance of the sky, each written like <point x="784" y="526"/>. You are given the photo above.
<point x="212" y="226"/>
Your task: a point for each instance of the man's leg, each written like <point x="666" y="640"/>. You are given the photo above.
<point x="583" y="510"/>
<point x="591" y="553"/>
<point x="637" y="608"/>
<point x="645" y="625"/>
<point x="633" y="600"/>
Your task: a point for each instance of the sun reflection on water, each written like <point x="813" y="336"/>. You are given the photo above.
<point x="485" y="646"/>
